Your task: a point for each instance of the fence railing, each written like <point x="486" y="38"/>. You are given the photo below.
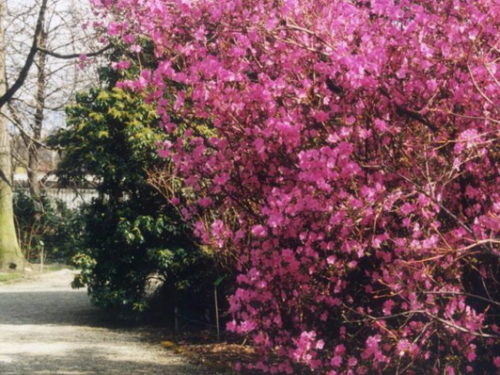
<point x="73" y="198"/>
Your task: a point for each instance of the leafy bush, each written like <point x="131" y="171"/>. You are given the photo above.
<point x="130" y="233"/>
<point x="55" y="228"/>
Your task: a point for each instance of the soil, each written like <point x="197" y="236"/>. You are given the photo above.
<point x="47" y="328"/>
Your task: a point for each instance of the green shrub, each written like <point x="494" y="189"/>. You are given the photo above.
<point x="54" y="227"/>
<point x="130" y="233"/>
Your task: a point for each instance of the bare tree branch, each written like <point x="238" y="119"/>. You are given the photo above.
<point x="75" y="55"/>
<point x="24" y="133"/>
<point x="30" y="58"/>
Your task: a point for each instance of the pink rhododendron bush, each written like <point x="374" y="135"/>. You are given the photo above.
<point x="348" y="163"/>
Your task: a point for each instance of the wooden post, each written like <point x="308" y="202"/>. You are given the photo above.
<point x="42" y="255"/>
<point x="176" y="320"/>
<point x="42" y="259"/>
<point x="217" y="322"/>
<point x="217" y="313"/>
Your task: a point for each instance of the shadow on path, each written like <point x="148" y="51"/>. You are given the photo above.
<point x="41" y="307"/>
<point x="71" y="364"/>
<point x="46" y="328"/>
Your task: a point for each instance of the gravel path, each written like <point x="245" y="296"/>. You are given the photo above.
<point x="46" y="328"/>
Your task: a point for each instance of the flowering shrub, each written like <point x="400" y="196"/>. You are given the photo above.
<point x="353" y="167"/>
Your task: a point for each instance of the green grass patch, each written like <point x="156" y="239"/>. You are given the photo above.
<point x="51" y="267"/>
<point x="7" y="277"/>
<point x="10" y="276"/>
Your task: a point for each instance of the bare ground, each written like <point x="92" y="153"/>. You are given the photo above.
<point x="47" y="328"/>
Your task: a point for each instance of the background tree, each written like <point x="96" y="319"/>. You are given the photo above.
<point x="10" y="254"/>
<point x="9" y="249"/>
<point x="38" y="106"/>
<point x="33" y="29"/>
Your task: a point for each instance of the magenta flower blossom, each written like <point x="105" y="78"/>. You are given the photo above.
<point x="350" y="166"/>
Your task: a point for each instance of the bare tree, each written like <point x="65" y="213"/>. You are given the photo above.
<point x="39" y="105"/>
<point x="10" y="253"/>
<point x="39" y="74"/>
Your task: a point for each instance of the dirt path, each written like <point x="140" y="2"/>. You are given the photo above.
<point x="46" y="328"/>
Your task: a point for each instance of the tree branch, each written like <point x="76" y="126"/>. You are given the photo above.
<point x="402" y="111"/>
<point x="452" y="293"/>
<point x="74" y="55"/>
<point x="26" y="137"/>
<point x="23" y="74"/>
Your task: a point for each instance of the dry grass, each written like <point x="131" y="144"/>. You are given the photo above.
<point x="220" y="357"/>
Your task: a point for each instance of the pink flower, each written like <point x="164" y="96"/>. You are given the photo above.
<point x="121" y="65"/>
<point x="496" y="362"/>
<point x="259" y="231"/>
<point x="380" y="125"/>
<point x="135" y="48"/>
<point x="336" y="361"/>
<point x="340" y="349"/>
<point x="205" y="202"/>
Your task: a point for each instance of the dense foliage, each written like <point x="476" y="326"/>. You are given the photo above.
<point x="354" y="170"/>
<point x="132" y="241"/>
<point x="54" y="230"/>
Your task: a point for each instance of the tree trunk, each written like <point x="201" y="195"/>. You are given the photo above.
<point x="33" y="147"/>
<point x="10" y="253"/>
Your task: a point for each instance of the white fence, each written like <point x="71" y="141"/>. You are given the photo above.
<point x="73" y="198"/>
